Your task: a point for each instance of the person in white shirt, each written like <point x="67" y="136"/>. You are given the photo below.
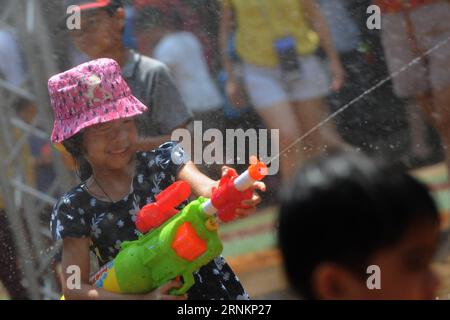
<point x="11" y="66"/>
<point x="182" y="52"/>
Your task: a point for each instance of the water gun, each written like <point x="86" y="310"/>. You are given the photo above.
<point x="176" y="244"/>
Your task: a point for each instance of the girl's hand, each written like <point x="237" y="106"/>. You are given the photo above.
<point x="162" y="293"/>
<point x="338" y="75"/>
<point x="250" y="203"/>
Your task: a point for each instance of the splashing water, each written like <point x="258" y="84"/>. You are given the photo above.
<point x="365" y="93"/>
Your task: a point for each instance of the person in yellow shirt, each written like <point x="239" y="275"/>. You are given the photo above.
<point x="284" y="78"/>
<point x="418" y="31"/>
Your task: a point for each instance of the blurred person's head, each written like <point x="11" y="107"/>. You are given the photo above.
<point x="102" y="27"/>
<point x="343" y="213"/>
<point x="26" y="110"/>
<point x="153" y="22"/>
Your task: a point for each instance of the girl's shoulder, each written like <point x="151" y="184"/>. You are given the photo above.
<point x="169" y="156"/>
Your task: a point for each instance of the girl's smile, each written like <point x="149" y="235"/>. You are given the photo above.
<point x="119" y="151"/>
<point x="110" y="145"/>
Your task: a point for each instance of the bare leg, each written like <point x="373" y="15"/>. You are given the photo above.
<point x="282" y="117"/>
<point x="426" y="102"/>
<point x="309" y="114"/>
<point x="416" y="110"/>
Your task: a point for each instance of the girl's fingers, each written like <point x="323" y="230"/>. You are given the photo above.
<point x="260" y="186"/>
<point x="225" y="169"/>
<point x="254" y="201"/>
<point x="169" y="285"/>
<point x="245" y="212"/>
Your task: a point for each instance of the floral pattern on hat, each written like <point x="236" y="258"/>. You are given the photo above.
<point x="91" y="93"/>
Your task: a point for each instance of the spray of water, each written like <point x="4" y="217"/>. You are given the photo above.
<point x="365" y="93"/>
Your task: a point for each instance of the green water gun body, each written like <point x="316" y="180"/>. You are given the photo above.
<point x="179" y="243"/>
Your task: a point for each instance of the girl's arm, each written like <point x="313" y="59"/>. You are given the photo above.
<point x="319" y="23"/>
<point x="202" y="185"/>
<point x="76" y="253"/>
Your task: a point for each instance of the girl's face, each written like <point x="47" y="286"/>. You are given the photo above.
<point x="110" y="145"/>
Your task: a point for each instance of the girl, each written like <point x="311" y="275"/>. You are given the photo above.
<point x="117" y="180"/>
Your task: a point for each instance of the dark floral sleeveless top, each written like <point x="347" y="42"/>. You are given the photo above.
<point x="78" y="214"/>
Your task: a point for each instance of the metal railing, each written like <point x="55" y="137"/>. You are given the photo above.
<point x="22" y="201"/>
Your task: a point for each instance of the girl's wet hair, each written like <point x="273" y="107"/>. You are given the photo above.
<point x="74" y="145"/>
<point x="343" y="208"/>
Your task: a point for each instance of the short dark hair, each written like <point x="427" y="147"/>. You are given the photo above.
<point x="343" y="208"/>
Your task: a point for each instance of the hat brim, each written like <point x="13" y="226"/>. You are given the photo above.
<point x="121" y="108"/>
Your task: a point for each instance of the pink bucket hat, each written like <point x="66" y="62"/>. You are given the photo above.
<point x="91" y="93"/>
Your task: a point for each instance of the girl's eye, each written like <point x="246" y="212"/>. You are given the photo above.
<point x="102" y="128"/>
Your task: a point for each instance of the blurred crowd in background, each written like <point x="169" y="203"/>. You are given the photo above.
<point x="224" y="58"/>
<point x="202" y="42"/>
